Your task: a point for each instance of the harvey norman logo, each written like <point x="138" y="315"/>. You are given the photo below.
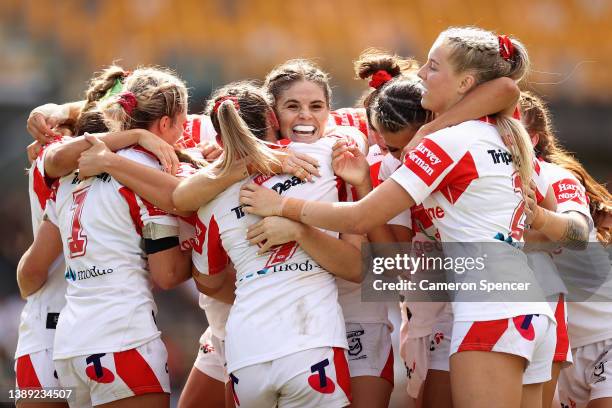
<point x="428" y="160"/>
<point x="569" y="190"/>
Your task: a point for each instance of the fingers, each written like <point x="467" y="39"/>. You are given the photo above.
<point x="40" y="130"/>
<point x="265" y="247"/>
<point x="307" y="166"/>
<point x="304" y="157"/>
<point x="92" y="139"/>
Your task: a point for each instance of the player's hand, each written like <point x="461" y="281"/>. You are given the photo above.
<point x="272" y="231"/>
<point x="40" y="125"/>
<point x="33" y="150"/>
<point x="163" y="151"/>
<point x="94" y="160"/>
<point x="260" y="200"/>
<point x="300" y="165"/>
<point x="532" y="209"/>
<point x="211" y="151"/>
<point x="349" y="163"/>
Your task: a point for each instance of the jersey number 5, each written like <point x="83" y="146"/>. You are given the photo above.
<point x="77" y="242"/>
<point x="517" y="224"/>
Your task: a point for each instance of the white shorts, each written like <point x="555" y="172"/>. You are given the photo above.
<point x="426" y="353"/>
<point x="370" y="352"/>
<point x="211" y="357"/>
<point x="106" y="377"/>
<point x="36" y="370"/>
<point x="314" y="378"/>
<point x="590" y="377"/>
<point x="530" y="336"/>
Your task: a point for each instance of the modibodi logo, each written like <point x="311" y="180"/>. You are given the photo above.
<point x="428" y="160"/>
<point x="88" y="273"/>
<point x="569" y="190"/>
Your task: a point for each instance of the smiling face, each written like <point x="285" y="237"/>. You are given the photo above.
<point x="303" y="112"/>
<point x="442" y="86"/>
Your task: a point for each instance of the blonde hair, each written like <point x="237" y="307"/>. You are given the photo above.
<point x="242" y="128"/>
<point x="536" y="117"/>
<point x="158" y="93"/>
<point x="478" y="51"/>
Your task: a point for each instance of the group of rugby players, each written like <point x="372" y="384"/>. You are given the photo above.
<point x="265" y="200"/>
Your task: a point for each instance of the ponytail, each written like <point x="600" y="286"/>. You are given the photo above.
<point x="517" y="140"/>
<point x="239" y="143"/>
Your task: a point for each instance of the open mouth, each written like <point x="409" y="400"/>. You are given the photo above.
<point x="304" y="130"/>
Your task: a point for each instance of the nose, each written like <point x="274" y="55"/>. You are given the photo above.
<point x="305" y="113"/>
<point x="421" y="72"/>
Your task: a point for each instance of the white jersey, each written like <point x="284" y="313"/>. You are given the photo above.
<point x="541" y="262"/>
<point x="197" y="129"/>
<point x="352" y="117"/>
<point x="465" y="179"/>
<point x="349" y="293"/>
<point x="109" y="303"/>
<point x="285" y="302"/>
<point x="588" y="321"/>
<point x="42" y="308"/>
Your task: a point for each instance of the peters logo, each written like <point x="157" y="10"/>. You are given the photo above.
<point x="569" y="190"/>
<point x="92" y="272"/>
<point x="428" y="161"/>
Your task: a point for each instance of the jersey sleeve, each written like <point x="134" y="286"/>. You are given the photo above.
<point x="51" y="207"/>
<point x="540" y="180"/>
<point x="427" y="164"/>
<point x="570" y="194"/>
<point x="208" y="255"/>
<point x="150" y="222"/>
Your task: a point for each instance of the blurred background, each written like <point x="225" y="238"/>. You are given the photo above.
<point x="50" y="48"/>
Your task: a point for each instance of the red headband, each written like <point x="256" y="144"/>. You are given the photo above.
<point x="506" y="48"/>
<point x="379" y="78"/>
<point x="128" y="102"/>
<point x="223" y="99"/>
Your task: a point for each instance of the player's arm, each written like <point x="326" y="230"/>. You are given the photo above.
<point x="44" y="118"/>
<point x="341" y="257"/>
<point x="377" y="208"/>
<point x="34" y="265"/>
<point x="149" y="183"/>
<point x="569" y="229"/>
<point x="220" y="286"/>
<point x="196" y="191"/>
<point x="62" y="158"/>
<point x="168" y="265"/>
<point x="499" y="95"/>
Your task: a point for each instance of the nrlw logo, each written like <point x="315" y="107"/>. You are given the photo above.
<point x="569" y="190"/>
<point x="92" y="272"/>
<point x="428" y="161"/>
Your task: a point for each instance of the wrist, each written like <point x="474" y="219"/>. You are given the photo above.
<point x="110" y="162"/>
<point x="364" y="188"/>
<point x="540" y="218"/>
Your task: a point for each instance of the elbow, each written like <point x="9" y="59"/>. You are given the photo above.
<point x="357" y="276"/>
<point x="511" y="89"/>
<point x="178" y="199"/>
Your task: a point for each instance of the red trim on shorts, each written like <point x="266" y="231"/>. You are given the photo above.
<point x="387" y="371"/>
<point x="562" y="346"/>
<point x="343" y="375"/>
<point x="136" y="373"/>
<point x="483" y="336"/>
<point x="130" y="198"/>
<point x="26" y="374"/>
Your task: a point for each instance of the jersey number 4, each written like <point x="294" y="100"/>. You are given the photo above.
<point x="77" y="242"/>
